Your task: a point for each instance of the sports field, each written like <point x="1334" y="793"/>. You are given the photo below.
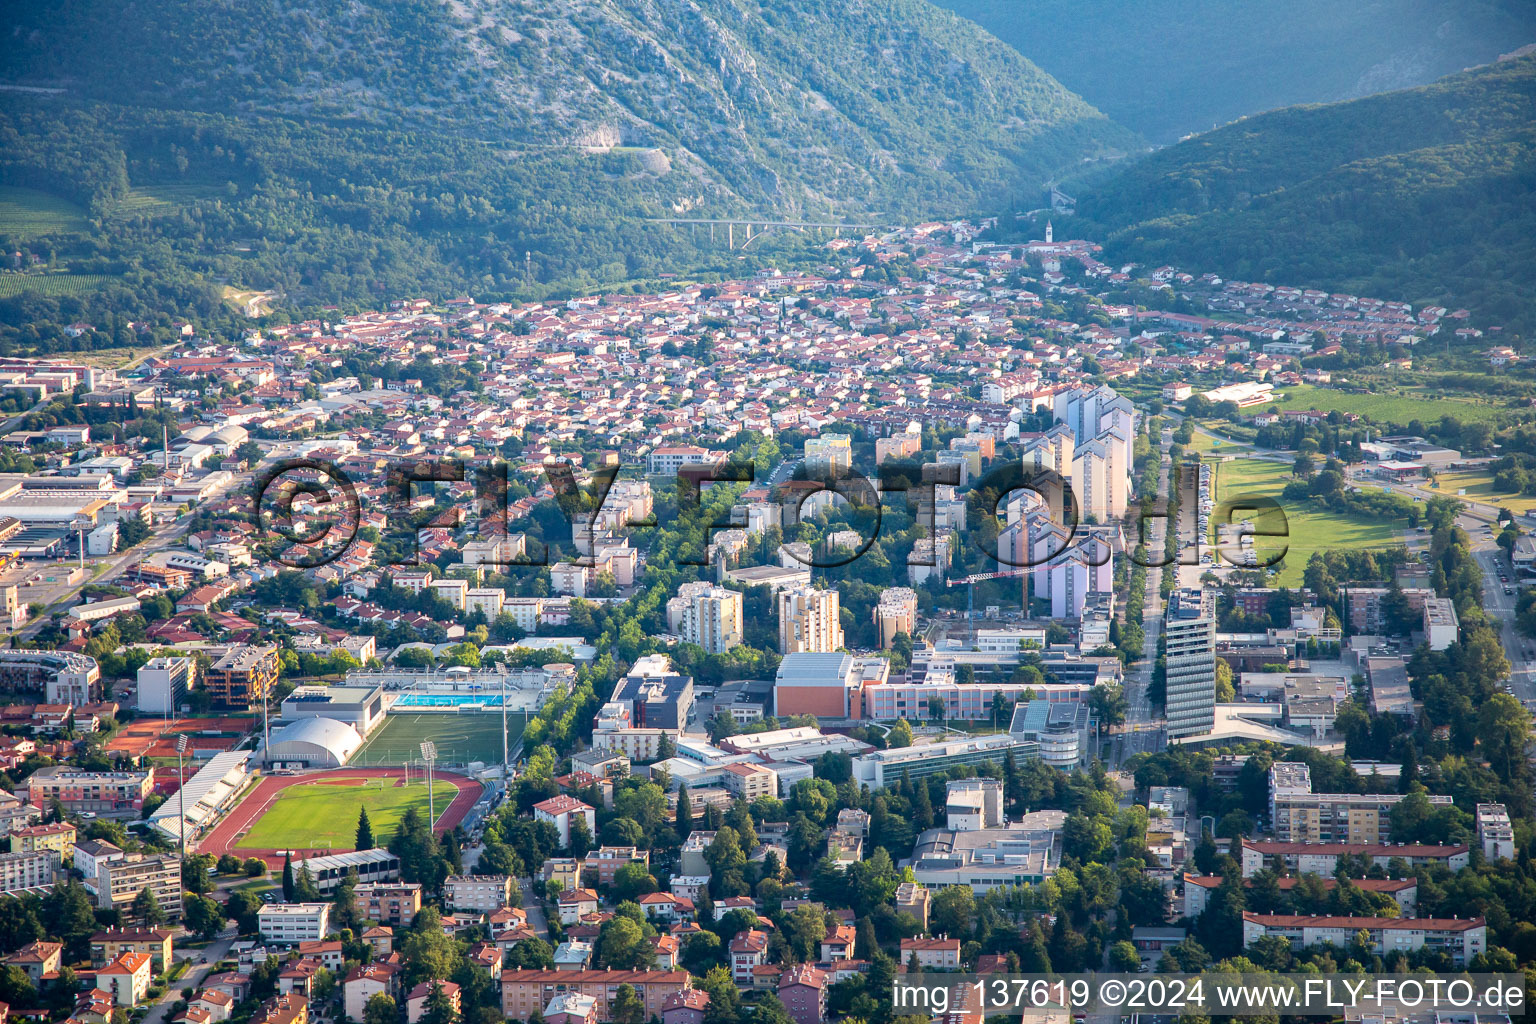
<point x="1307" y="529"/>
<point x="460" y="738"/>
<point x="321" y="813"/>
<point x="322" y="817"/>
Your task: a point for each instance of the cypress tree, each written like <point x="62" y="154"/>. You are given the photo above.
<point x="287" y="878"/>
<point x="364" y="831"/>
<point x="684" y="812"/>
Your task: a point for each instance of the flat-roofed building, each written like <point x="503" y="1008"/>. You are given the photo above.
<point x="913" y="899"/>
<point x="1299" y="815"/>
<point x="243" y="677"/>
<point x="79" y="791"/>
<point x="119" y="882"/>
<point x="1440" y="623"/>
<point x="1190" y="670"/>
<point x="288" y="924"/>
<point x="1495" y="832"/>
<point x="361" y="707"/>
<point x="28" y="870"/>
<point x="1061" y="728"/>
<point x="809" y="620"/>
<point x="707" y="615"/>
<point x="827" y="685"/>
<point x="895" y="613"/>
<point x="880" y="768"/>
<point x="164" y="684"/>
<point x="478" y="892"/>
<point x="971" y="804"/>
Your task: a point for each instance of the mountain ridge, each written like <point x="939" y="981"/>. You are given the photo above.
<point x="804" y="106"/>
<point x="1423" y="193"/>
<point x="1186" y="66"/>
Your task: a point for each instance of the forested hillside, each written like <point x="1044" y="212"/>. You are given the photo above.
<point x="1180" y="66"/>
<point x="347" y="151"/>
<point x="1426" y="194"/>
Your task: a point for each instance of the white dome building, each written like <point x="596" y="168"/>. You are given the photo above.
<point x="315" y="743"/>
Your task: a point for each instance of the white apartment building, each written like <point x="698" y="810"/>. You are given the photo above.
<point x="707" y="615"/>
<point x="164" y="684"/>
<point x="1440" y="623"/>
<point x="452" y="591"/>
<point x="525" y="611"/>
<point x="28" y="870"/>
<point x="808" y="621"/>
<point x="1495" y="832"/>
<point x="288" y="924"/>
<point x="896" y="613"/>
<point x="485" y="600"/>
<point x="478" y="892"/>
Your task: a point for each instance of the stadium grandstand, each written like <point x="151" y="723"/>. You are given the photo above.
<point x="206" y="795"/>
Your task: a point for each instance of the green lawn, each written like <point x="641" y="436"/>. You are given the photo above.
<point x="1205" y="444"/>
<point x="27" y="213"/>
<point x="460" y="738"/>
<point x="1479" y="488"/>
<point x="1306" y="529"/>
<point x="1396" y="405"/>
<point x="317" y="815"/>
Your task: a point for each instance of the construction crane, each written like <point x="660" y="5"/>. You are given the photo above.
<point x="981" y="577"/>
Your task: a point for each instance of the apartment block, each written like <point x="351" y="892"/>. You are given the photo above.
<point x="896" y="613"/>
<point x="28" y="870"/>
<point x="108" y="945"/>
<point x="1322" y="858"/>
<point x="1297" y="814"/>
<point x="478" y="892"/>
<point x="1495" y="832"/>
<point x="109" y="793"/>
<point x="164" y="684"/>
<point x="58" y="837"/>
<point x="392" y="903"/>
<point x="118" y="882"/>
<point x="913" y="899"/>
<point x="1191" y="674"/>
<point x="288" y="924"/>
<point x="243" y="677"/>
<point x="1462" y="938"/>
<point x="707" y="615"/>
<point x="808" y="621"/>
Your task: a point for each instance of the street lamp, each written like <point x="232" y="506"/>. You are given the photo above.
<point x="429" y="754"/>
<point x="181" y="793"/>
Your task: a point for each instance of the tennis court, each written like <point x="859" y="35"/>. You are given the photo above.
<point x="460" y="738"/>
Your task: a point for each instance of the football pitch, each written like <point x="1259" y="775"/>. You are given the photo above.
<point x="460" y="738"/>
<point x="323" y="814"/>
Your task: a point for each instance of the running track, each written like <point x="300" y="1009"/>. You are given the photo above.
<point x="228" y="832"/>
